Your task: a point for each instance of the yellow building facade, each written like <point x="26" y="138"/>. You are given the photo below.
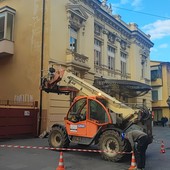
<point x="160" y="81"/>
<point x="82" y="36"/>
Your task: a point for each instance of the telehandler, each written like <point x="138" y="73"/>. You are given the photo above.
<point x="94" y="118"/>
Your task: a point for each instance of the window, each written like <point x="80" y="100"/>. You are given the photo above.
<point x="9" y="26"/>
<point x="111" y="63"/>
<point x="111" y="37"/>
<point x="111" y="50"/>
<point x="97" y="56"/>
<point x="6" y="23"/>
<point x="111" y="58"/>
<point x="123" y="44"/>
<point x="123" y="63"/>
<point x="143" y="70"/>
<point x="97" y="52"/>
<point x="156" y="72"/>
<point x="73" y="39"/>
<point x="97" y="112"/>
<point x="155" y="95"/>
<point x="143" y="66"/>
<point x="2" y="24"/>
<point x="154" y="75"/>
<point x="78" y="111"/>
<point x="123" y="67"/>
<point x="73" y="44"/>
<point x="158" y="114"/>
<point x="97" y="29"/>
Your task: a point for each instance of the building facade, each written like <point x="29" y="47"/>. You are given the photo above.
<point x="160" y="81"/>
<point x="82" y="36"/>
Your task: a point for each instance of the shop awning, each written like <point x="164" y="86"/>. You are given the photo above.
<point x="126" y="88"/>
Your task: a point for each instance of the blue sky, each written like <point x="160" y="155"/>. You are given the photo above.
<point x="152" y="17"/>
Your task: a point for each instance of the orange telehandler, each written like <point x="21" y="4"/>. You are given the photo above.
<point x="94" y="118"/>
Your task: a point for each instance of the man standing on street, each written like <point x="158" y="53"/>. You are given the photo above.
<point x="139" y="143"/>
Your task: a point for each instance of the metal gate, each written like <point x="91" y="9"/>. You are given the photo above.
<point x="18" y="122"/>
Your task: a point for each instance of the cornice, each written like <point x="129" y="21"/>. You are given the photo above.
<point x="142" y="39"/>
<point x="7" y="8"/>
<point x="112" y="22"/>
<point x="100" y="11"/>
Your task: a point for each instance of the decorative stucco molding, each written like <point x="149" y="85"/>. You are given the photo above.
<point x="76" y="15"/>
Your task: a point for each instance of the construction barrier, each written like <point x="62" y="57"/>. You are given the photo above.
<point x="61" y="162"/>
<point x="162" y="148"/>
<point x="60" y="149"/>
<point x="133" y="162"/>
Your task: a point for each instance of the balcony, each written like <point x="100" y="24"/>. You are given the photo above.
<point x="157" y="82"/>
<point x="6" y="48"/>
<point x="77" y="61"/>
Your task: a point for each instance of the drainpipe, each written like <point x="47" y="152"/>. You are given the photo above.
<point x="42" y="62"/>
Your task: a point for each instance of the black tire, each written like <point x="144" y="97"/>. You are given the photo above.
<point x="58" y="138"/>
<point x="111" y="142"/>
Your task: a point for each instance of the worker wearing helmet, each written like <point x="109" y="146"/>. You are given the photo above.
<point x="139" y="143"/>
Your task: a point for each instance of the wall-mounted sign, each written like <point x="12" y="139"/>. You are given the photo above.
<point x="26" y="113"/>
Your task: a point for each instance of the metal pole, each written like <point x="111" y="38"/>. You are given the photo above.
<point x="42" y="61"/>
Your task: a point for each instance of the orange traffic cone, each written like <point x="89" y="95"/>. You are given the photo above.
<point x="162" y="148"/>
<point x="61" y="162"/>
<point x="133" y="163"/>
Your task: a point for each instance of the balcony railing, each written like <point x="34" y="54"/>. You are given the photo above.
<point x="76" y="60"/>
<point x="18" y="103"/>
<point x="158" y="82"/>
<point x="103" y="69"/>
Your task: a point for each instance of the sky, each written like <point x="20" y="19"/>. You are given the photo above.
<point x="153" y="18"/>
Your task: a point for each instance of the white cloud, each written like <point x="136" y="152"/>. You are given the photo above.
<point x="123" y="2"/>
<point x="163" y="46"/>
<point x="137" y="4"/>
<point x="158" y="29"/>
<point x="154" y="49"/>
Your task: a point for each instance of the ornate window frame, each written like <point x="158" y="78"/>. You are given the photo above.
<point x="76" y="16"/>
<point x="8" y="23"/>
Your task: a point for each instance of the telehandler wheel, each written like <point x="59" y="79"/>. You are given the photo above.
<point x="110" y="143"/>
<point x="58" y="138"/>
